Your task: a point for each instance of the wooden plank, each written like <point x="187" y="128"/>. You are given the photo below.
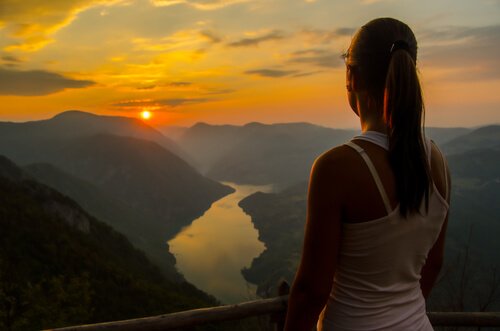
<point x="191" y="317"/>
<point x="261" y="307"/>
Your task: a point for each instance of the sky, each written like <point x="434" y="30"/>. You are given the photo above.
<point x="235" y="61"/>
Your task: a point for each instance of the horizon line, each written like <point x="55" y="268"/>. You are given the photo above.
<point x="229" y="124"/>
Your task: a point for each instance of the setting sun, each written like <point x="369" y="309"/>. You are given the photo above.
<point x="146" y="115"/>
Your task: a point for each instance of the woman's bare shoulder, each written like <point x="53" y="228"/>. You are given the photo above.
<point x="335" y="161"/>
<point x="339" y="155"/>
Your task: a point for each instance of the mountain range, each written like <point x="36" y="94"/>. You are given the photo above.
<point x="281" y="154"/>
<point x="29" y="142"/>
<point x="259" y="153"/>
<point x="61" y="266"/>
<point x="146" y="186"/>
<point x="148" y="192"/>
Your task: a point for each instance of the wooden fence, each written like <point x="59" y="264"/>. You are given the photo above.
<point x="276" y="307"/>
<point x="273" y="306"/>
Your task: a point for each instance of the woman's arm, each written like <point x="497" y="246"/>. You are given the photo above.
<point x="434" y="262"/>
<point x="313" y="281"/>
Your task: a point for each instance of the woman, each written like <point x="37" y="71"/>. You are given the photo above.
<point x="378" y="205"/>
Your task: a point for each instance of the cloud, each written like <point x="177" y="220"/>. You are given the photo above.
<point x="184" y="86"/>
<point x="36" y="82"/>
<point x="320" y="36"/>
<point x="198" y="4"/>
<point x="317" y="57"/>
<point x="180" y="83"/>
<point x="211" y="36"/>
<point x="271" y="72"/>
<point x="10" y="61"/>
<point x="348" y="32"/>
<point x="371" y="2"/>
<point x="220" y="91"/>
<point x="305" y="74"/>
<point x="192" y="40"/>
<point x="174" y="102"/>
<point x="29" y="24"/>
<point x="158" y="104"/>
<point x="147" y="87"/>
<point x="134" y="103"/>
<point x="464" y="52"/>
<point x="255" y="41"/>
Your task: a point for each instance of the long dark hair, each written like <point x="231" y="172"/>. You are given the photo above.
<point x="385" y="50"/>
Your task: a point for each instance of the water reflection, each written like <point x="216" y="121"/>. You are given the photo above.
<point x="212" y="251"/>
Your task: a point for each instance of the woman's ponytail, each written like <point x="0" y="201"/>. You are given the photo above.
<point x="385" y="52"/>
<point x="403" y="113"/>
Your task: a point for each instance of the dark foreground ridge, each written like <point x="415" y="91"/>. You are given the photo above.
<point x="60" y="266"/>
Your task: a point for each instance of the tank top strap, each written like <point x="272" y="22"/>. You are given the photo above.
<point x="374" y="174"/>
<point x="445" y="166"/>
<point x="428" y="150"/>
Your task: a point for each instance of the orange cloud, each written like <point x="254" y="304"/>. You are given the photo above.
<point x="256" y="40"/>
<point x="36" y="82"/>
<point x="183" y="39"/>
<point x="198" y="4"/>
<point x="30" y="24"/>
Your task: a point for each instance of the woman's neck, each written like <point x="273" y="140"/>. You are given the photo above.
<point x="369" y="116"/>
<point x="373" y="127"/>
<point x="373" y="124"/>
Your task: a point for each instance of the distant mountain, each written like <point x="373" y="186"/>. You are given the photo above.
<point x="206" y="143"/>
<point x="475" y="167"/>
<point x="259" y="153"/>
<point x="486" y="137"/>
<point x="147" y="191"/>
<point x="60" y="266"/>
<point x="443" y="135"/>
<point x="112" y="211"/>
<point x="136" y="186"/>
<point x="160" y="186"/>
<point x="172" y="132"/>
<point x="28" y="142"/>
<point x="279" y="154"/>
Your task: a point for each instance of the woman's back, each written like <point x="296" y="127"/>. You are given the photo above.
<point x="376" y="284"/>
<point x="361" y="191"/>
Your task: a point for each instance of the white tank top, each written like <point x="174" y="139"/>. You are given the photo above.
<point x="376" y="283"/>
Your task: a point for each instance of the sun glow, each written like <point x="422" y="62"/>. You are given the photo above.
<point x="146" y="115"/>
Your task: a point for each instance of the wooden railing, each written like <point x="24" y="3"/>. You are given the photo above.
<point x="192" y="318"/>
<point x="276" y="307"/>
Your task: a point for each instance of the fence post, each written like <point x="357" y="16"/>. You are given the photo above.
<point x="278" y="319"/>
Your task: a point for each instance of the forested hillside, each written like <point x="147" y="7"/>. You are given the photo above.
<point x="61" y="266"/>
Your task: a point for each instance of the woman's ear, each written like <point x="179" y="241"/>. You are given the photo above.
<point x="349" y="79"/>
<point x="351" y="89"/>
<point x="354" y="81"/>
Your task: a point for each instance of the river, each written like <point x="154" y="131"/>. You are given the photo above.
<point x="212" y="250"/>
